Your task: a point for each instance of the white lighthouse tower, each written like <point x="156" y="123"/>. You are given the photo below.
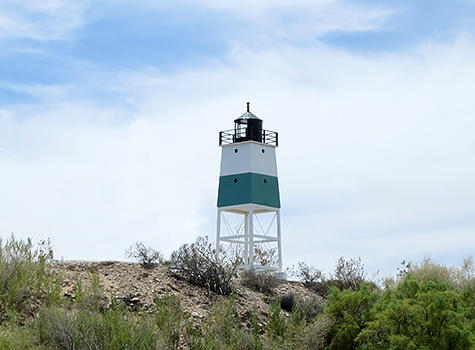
<point x="249" y="189"/>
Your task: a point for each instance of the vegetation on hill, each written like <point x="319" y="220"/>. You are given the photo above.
<point x="426" y="306"/>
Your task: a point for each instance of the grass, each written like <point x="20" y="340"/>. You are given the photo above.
<point x="24" y="281"/>
<point x="115" y="328"/>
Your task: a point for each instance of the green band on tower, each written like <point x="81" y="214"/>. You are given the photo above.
<point x="248" y="188"/>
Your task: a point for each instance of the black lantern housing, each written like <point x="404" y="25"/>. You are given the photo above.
<point x="248" y="127"/>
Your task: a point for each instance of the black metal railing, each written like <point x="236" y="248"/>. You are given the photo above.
<point x="267" y="137"/>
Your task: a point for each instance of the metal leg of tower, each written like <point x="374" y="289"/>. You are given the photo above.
<point x="218" y="233"/>
<point x="246" y="239"/>
<point x="279" y="242"/>
<point x="251" y="237"/>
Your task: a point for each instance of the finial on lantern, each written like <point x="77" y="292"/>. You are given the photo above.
<point x="248" y="103"/>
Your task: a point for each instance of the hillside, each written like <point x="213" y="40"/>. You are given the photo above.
<point x="136" y="286"/>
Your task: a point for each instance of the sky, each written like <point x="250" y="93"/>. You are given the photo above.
<point x="110" y="113"/>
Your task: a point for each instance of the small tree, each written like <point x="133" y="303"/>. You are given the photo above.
<point x="198" y="263"/>
<point x="309" y="274"/>
<point x="419" y="314"/>
<point x="350" y="273"/>
<point x="350" y="312"/>
<point x="147" y="256"/>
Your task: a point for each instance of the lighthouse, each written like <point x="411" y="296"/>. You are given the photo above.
<point x="249" y="190"/>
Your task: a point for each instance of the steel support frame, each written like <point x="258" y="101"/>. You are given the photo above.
<point x="249" y="239"/>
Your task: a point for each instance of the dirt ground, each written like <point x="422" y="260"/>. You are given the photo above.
<point x="137" y="287"/>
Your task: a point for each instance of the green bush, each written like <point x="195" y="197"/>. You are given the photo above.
<point x="420" y="315"/>
<point x="457" y="277"/>
<point x="169" y="319"/>
<point x="316" y="334"/>
<point x="256" y="329"/>
<point x="348" y="274"/>
<point x="223" y="329"/>
<point x="91" y="297"/>
<point x="350" y="311"/>
<point x="276" y="325"/>
<point x="24" y="281"/>
<point x="16" y="337"/>
<point x="115" y="328"/>
<point x="283" y="332"/>
<point x="310" y="307"/>
<point x="429" y="307"/>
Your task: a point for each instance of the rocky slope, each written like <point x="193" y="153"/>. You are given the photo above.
<point x="137" y="286"/>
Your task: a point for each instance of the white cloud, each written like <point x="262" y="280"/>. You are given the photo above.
<point x="301" y="20"/>
<point x="268" y="20"/>
<point x="41" y="92"/>
<point x="321" y="13"/>
<point x="376" y="155"/>
<point x="43" y="20"/>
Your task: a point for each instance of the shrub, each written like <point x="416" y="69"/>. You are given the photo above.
<point x="15" y="337"/>
<point x="308" y="274"/>
<point x="146" y="256"/>
<point x="351" y="273"/>
<point x="256" y="331"/>
<point x="350" y="311"/>
<point x="24" y="281"/>
<point x="287" y="302"/>
<point x="455" y="276"/>
<point x="223" y="329"/>
<point x="420" y="314"/>
<point x="314" y="279"/>
<point x="429" y="306"/>
<point x="276" y="324"/>
<point x="115" y="328"/>
<point x="169" y="319"/>
<point x="91" y="297"/>
<point x="284" y="333"/>
<point x="263" y="282"/>
<point x="316" y="334"/>
<point x="198" y="263"/>
<point x="321" y="288"/>
<point x="265" y="256"/>
<point x="310" y="307"/>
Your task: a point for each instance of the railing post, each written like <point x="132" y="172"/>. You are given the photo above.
<point x="220" y="138"/>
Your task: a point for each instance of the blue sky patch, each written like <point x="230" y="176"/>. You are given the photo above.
<point x="10" y="97"/>
<point x="130" y="39"/>
<point x="411" y="24"/>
